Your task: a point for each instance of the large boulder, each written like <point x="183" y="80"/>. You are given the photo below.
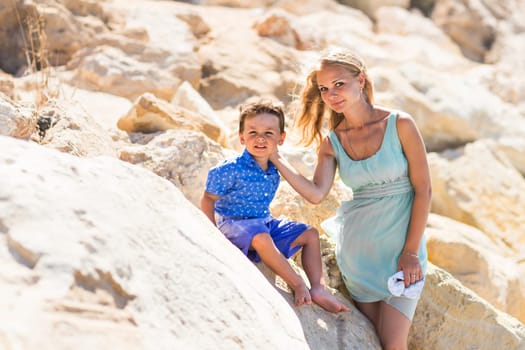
<point x="99" y="253"/>
<point x="151" y="114"/>
<point x="109" y="69"/>
<point x="478" y="186"/>
<point x="232" y="73"/>
<point x="180" y="156"/>
<point x="323" y="330"/>
<point x="450" y="316"/>
<point x="484" y="268"/>
<point x="450" y="111"/>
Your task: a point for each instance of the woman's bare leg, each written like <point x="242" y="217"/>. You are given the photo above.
<point x="395" y="327"/>
<point x="391" y="325"/>
<point x="373" y="312"/>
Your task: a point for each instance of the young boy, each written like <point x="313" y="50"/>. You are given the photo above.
<point x="237" y="200"/>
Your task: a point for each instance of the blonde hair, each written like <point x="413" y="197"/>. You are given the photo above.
<point x="309" y="117"/>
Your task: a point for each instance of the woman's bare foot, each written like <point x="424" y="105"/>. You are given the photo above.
<point x="327" y="301"/>
<point x="302" y="295"/>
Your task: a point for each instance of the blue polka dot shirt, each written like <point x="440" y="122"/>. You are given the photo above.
<point x="244" y="188"/>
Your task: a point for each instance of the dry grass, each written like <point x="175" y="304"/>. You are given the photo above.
<point x="32" y="29"/>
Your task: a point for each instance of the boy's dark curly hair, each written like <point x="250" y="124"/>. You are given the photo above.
<point x="254" y="108"/>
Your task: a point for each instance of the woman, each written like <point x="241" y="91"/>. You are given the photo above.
<point x="380" y="154"/>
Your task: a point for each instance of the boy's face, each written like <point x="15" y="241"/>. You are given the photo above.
<point x="261" y="135"/>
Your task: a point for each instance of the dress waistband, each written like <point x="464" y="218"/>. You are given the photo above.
<point x="398" y="186"/>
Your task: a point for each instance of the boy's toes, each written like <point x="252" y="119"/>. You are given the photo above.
<point x="344" y="308"/>
<point x="327" y="301"/>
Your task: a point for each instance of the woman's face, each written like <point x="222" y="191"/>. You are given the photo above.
<point x="339" y="89"/>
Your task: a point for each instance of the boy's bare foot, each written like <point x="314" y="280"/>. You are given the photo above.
<point x="302" y="295"/>
<point x="326" y="300"/>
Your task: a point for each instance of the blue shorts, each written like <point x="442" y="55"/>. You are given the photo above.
<point x="240" y="231"/>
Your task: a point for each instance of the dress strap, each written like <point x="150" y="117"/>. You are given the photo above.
<point x="336" y="145"/>
<point x="391" y="132"/>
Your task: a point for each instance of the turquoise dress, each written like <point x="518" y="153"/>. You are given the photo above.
<point x="370" y="230"/>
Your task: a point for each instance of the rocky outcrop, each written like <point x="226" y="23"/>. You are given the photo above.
<point x="87" y="257"/>
<point x="447" y="307"/>
<point x="371" y="7"/>
<point x="323" y="330"/>
<point x="484" y="267"/>
<point x="189" y="98"/>
<point x="70" y="129"/>
<point x="465" y="186"/>
<point x="461" y="19"/>
<point x="181" y="156"/>
<point x="17" y="120"/>
<point x="471" y="111"/>
<point x="101" y="244"/>
<point x="40" y="34"/>
<point x="150" y="114"/>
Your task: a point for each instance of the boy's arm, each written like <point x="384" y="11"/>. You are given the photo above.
<point x="208" y="205"/>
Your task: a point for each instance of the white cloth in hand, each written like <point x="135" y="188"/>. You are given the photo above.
<point x="396" y="286"/>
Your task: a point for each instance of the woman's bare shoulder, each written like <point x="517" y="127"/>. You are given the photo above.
<point x="382" y="112"/>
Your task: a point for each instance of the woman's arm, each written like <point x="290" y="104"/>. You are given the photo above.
<point x="314" y="190"/>
<point x="419" y="174"/>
